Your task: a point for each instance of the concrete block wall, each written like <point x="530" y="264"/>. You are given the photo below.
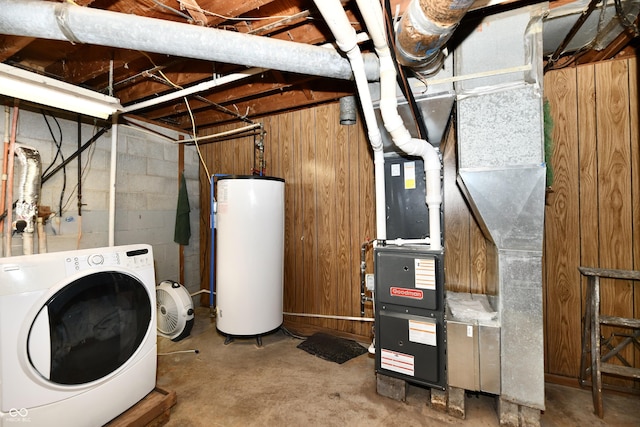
<point x="146" y="190"/>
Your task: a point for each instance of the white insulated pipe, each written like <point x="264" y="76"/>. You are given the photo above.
<point x="346" y="39"/>
<point x="372" y="13"/>
<point x="42" y="236"/>
<point x="69" y="22"/>
<point x="112" y="180"/>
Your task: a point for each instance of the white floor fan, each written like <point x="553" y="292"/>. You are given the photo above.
<point x="174" y="310"/>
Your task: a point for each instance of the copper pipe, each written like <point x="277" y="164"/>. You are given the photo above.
<point x="9" y="197"/>
<point x="5" y="160"/>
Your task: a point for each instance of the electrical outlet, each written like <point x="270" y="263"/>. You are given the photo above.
<point x="369" y="282"/>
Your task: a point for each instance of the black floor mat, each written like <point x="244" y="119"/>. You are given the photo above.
<point x="332" y="348"/>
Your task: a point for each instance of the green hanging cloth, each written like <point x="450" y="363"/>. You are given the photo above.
<point x="183" y="227"/>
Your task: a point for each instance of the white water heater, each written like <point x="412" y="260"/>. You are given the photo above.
<point x="249" y="254"/>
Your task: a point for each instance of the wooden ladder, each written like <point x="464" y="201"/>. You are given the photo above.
<point x="592" y="340"/>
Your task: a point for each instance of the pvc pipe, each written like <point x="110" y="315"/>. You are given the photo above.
<point x="346" y="39"/>
<point x="372" y="13"/>
<point x="68" y="22"/>
<point x="402" y="242"/>
<point x="27" y="243"/>
<point x="112" y="180"/>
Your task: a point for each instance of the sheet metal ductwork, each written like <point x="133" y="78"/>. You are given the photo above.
<point x="424" y="29"/>
<point x="28" y="189"/>
<point x="501" y="170"/>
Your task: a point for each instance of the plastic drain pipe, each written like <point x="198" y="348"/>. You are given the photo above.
<point x="372" y="13"/>
<point x="335" y="17"/>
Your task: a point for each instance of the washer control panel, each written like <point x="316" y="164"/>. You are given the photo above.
<point x="136" y="259"/>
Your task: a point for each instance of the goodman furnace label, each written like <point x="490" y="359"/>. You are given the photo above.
<point x="422" y="332"/>
<point x="397" y="362"/>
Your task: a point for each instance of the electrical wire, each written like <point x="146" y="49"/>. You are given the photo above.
<point x="193" y="122"/>
<point x="177" y="12"/>
<point x="58" y="144"/>
<point x="83" y="174"/>
<point x="195" y="351"/>
<point x="195" y="138"/>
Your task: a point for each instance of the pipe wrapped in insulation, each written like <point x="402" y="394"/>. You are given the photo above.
<point x="29" y="187"/>
<point x="424" y="29"/>
<point x="67" y="21"/>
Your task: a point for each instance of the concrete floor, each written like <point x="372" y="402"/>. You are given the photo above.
<point x="241" y="384"/>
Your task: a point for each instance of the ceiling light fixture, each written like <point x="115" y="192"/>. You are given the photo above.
<point x="22" y="84"/>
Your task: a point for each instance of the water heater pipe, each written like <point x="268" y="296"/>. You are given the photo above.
<point x="393" y="123"/>
<point x="346" y="39"/>
<point x="5" y="158"/>
<point x="42" y="236"/>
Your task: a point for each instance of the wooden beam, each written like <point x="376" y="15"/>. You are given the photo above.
<point x="270" y="105"/>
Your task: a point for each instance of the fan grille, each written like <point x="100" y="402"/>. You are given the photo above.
<point x="167" y="312"/>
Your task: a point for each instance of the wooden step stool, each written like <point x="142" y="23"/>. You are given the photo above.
<point x="591" y="338"/>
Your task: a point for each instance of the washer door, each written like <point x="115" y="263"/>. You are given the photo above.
<point x="95" y="324"/>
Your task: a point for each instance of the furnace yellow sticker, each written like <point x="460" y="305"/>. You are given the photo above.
<point x="409" y="175"/>
<point x="422" y="332"/>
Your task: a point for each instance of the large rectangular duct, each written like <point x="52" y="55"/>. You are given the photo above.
<point x="502" y="174"/>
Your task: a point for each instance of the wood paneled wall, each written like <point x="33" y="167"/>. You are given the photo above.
<point x="592" y="215"/>
<point x="330" y="212"/>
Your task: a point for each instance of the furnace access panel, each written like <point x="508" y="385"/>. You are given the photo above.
<point x="409" y="324"/>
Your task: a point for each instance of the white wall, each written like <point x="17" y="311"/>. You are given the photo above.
<point x="146" y="191"/>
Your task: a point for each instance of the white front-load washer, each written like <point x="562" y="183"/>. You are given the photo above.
<point x="77" y="335"/>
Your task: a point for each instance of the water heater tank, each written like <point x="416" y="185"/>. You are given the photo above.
<point x="249" y="256"/>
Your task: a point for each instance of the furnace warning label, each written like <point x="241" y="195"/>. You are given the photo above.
<point x="409" y="175"/>
<point x="426" y="273"/>
<point x="422" y="332"/>
<point x="397" y="362"/>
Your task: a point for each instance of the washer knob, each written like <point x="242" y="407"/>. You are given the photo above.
<point x="96" y="259"/>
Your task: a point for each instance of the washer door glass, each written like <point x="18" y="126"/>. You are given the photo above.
<point x="96" y="323"/>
